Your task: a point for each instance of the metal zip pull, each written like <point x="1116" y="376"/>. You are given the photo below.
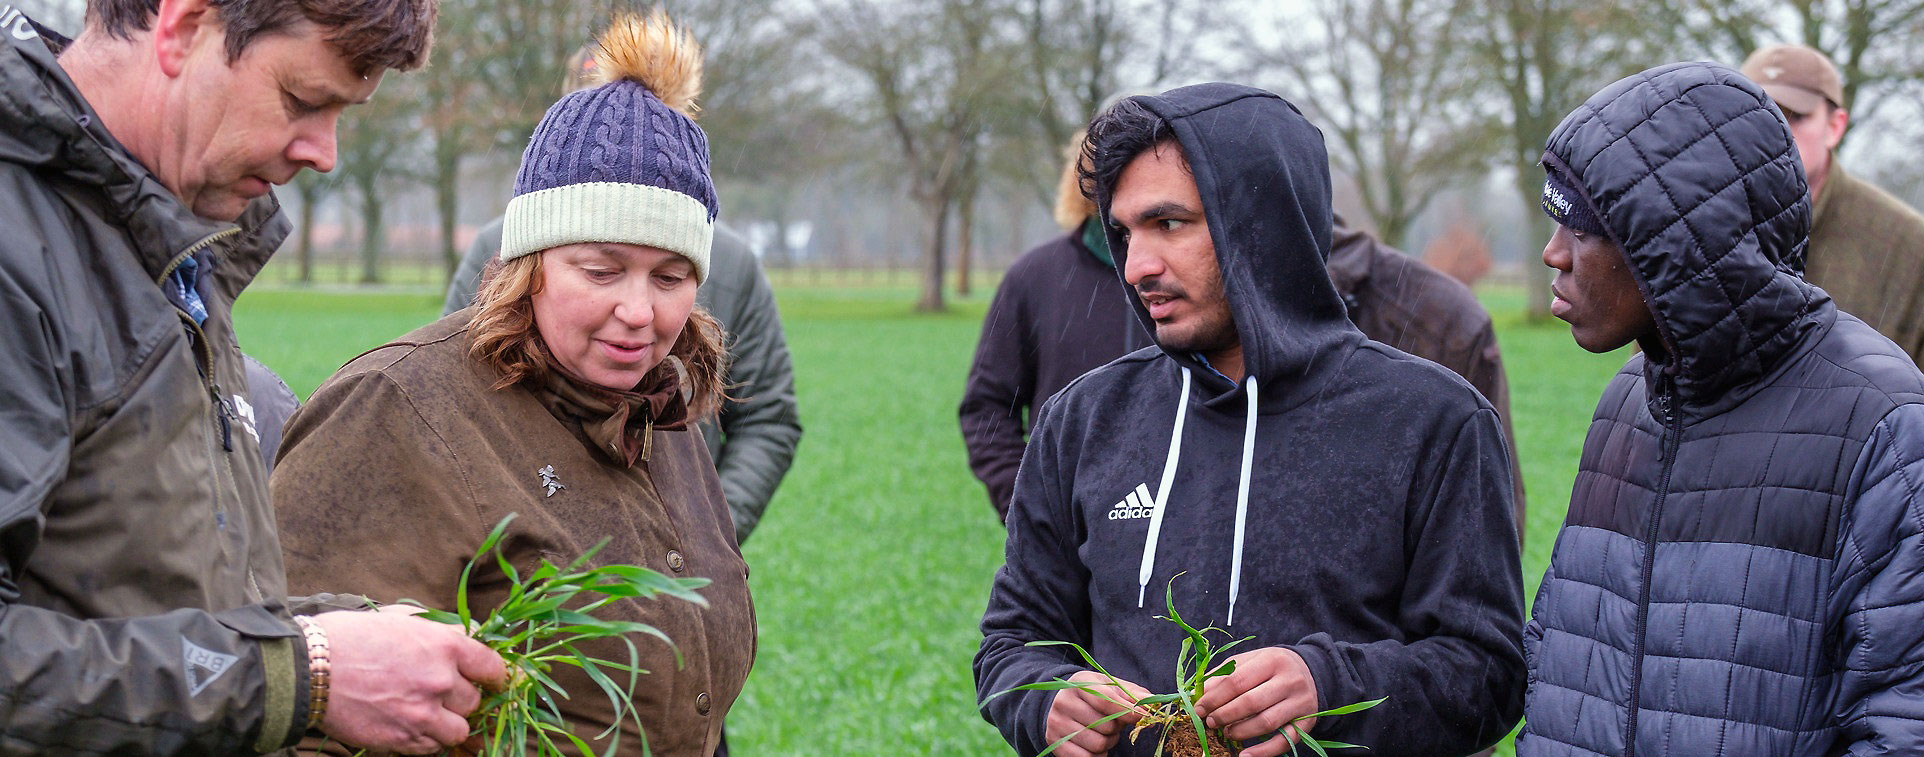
<point x="224" y="410"/>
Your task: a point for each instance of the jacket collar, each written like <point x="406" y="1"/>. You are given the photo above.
<point x="48" y="126"/>
<point x="1833" y="186"/>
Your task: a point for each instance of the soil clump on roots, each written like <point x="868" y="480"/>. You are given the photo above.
<point x="1179" y="740"/>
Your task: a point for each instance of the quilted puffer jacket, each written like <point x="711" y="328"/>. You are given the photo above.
<point x="1739" y="570"/>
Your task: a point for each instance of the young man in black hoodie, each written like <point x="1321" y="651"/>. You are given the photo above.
<point x="1346" y="504"/>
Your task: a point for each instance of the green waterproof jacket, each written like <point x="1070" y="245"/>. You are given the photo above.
<point x="141" y="584"/>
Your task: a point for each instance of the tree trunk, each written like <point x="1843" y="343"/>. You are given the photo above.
<point x="371" y="231"/>
<point x="777" y="255"/>
<point x="965" y="241"/>
<point x="1536" y="275"/>
<point x="931" y="301"/>
<point x="305" y="251"/>
<point x="447" y="186"/>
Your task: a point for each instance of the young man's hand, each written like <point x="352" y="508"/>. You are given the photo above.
<point x="403" y="684"/>
<point x="1073" y="710"/>
<point x="1270" y="688"/>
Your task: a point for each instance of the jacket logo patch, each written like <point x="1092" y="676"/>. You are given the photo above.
<point x="15" y="22"/>
<point x="1136" y="504"/>
<point x="204" y="666"/>
<point x="548" y="480"/>
<point x="246" y="413"/>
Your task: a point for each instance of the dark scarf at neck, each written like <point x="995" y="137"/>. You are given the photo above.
<point x="620" y="424"/>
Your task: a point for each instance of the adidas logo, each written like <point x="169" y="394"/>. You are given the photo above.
<point x="1137" y="504"/>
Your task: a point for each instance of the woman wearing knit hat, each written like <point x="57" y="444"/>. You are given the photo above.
<point x="567" y="394"/>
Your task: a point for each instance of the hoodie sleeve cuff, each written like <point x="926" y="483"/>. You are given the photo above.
<point x="1330" y="689"/>
<point x="1032" y="713"/>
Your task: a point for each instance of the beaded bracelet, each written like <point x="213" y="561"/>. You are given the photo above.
<point x="317" y="669"/>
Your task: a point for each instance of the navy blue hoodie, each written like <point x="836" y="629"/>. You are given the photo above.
<point x="1374" y="536"/>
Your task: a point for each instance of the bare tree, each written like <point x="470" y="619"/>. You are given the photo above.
<point x="1080" y="53"/>
<point x="932" y="70"/>
<point x="314" y="188"/>
<point x="1542" y="58"/>
<point x="532" y="41"/>
<point x="449" y="117"/>
<point x="1390" y="82"/>
<point x="773" y="124"/>
<point x="376" y="142"/>
<point x="1871" y="41"/>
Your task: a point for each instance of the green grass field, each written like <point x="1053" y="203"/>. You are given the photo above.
<point x="872" y="566"/>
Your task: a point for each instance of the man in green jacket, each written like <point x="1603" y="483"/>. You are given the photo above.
<point x="1866" y="247"/>
<point x="142" y="605"/>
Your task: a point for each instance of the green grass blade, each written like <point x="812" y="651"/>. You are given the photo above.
<point x="1224" y="649"/>
<point x="1094" y="690"/>
<point x="494" y="536"/>
<point x="1345" y="709"/>
<point x="461" y="587"/>
<point x="1086" y="657"/>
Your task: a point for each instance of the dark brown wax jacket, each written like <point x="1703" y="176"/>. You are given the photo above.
<point x="1402" y="302"/>
<point x="403" y="461"/>
<point x="1867" y="252"/>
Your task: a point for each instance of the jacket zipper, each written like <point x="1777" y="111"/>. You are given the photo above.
<point x="1672" y="437"/>
<point x="223" y="410"/>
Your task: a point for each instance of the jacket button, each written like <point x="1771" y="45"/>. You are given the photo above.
<point x="701" y="703"/>
<point x="674" y="561"/>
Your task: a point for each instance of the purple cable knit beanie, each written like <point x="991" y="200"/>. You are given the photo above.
<point x="623" y="161"/>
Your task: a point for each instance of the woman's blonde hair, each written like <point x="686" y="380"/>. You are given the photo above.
<point x="1072" y="207"/>
<point x="506" y="338"/>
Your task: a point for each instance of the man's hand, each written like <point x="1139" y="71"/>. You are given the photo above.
<point x="1270" y="688"/>
<point x="403" y="684"/>
<point x="1073" y="710"/>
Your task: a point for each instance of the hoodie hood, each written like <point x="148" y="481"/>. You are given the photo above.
<point x="48" y="127"/>
<point x="1266" y="194"/>
<point x="1696" y="177"/>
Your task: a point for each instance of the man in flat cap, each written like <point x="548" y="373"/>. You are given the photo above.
<point x="1866" y="247"/>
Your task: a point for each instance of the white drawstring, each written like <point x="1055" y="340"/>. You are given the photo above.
<point x="1242" y="503"/>
<point x="1162" y="494"/>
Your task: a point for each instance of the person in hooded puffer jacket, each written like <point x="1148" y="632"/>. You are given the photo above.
<point x="1346" y="504"/>
<point x="1739" y="570"/>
